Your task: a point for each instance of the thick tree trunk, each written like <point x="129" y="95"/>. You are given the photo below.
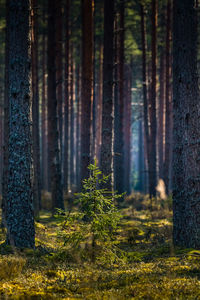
<point x="106" y="157"/>
<point x="53" y="139"/>
<point x="186" y="134"/>
<point x="86" y="86"/>
<point x="19" y="213"/>
<point x="153" y="119"/>
<point x="168" y="105"/>
<point x="35" y="109"/>
<point x="66" y="105"/>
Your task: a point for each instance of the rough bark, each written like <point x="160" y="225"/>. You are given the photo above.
<point x="53" y="139"/>
<point x="87" y="85"/>
<point x="106" y="156"/>
<point x="119" y="106"/>
<point x="35" y="109"/>
<point x="186" y="134"/>
<point x="19" y="212"/>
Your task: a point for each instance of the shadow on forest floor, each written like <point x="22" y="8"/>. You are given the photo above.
<point x="140" y="262"/>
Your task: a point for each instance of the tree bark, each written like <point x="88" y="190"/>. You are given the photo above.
<point x="19" y="213"/>
<point x="186" y="134"/>
<point x="106" y="157"/>
<point x="53" y="139"/>
<point x="168" y="104"/>
<point x="66" y="106"/>
<point x="86" y="86"/>
<point x="35" y="109"/>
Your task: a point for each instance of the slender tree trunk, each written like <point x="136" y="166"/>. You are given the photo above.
<point x="153" y="120"/>
<point x="59" y="69"/>
<point x="78" y="126"/>
<point x="99" y="105"/>
<point x="19" y="213"/>
<point x="141" y="158"/>
<point x="168" y="108"/>
<point x="106" y="158"/>
<point x="53" y="139"/>
<point x="66" y="106"/>
<point x="119" y="105"/>
<point x="161" y="114"/>
<point x="45" y="175"/>
<point x="35" y="109"/>
<point x="186" y="134"/>
<point x="86" y="86"/>
<point x="145" y="96"/>
<point x="127" y="130"/>
<point x="72" y="119"/>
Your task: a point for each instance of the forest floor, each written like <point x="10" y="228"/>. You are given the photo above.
<point x="140" y="264"/>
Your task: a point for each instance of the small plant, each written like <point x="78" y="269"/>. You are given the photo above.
<point x="97" y="222"/>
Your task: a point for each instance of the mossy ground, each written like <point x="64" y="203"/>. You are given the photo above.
<point x="141" y="265"/>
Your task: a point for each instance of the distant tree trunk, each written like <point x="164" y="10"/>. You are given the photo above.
<point x="161" y="114"/>
<point x="145" y="96"/>
<point x="86" y="86"/>
<point x="119" y="138"/>
<point x="140" y="186"/>
<point x="127" y="130"/>
<point x="78" y="114"/>
<point x="45" y="175"/>
<point x="106" y="157"/>
<point x="59" y="69"/>
<point x="54" y="155"/>
<point x="99" y="105"/>
<point x="66" y="106"/>
<point x="71" y="119"/>
<point x="186" y="134"/>
<point x="35" y="109"/>
<point x="153" y="120"/>
<point x="168" y="106"/>
<point x="19" y="213"/>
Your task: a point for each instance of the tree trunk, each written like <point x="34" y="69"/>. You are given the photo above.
<point x="127" y="130"/>
<point x="153" y="120"/>
<point x="35" y="109"/>
<point x="86" y="86"/>
<point x="72" y="91"/>
<point x="168" y="106"/>
<point x="59" y="69"/>
<point x="186" y="135"/>
<point x="53" y="150"/>
<point x="161" y="114"/>
<point x="106" y="157"/>
<point x="19" y="213"/>
<point x="66" y="106"/>
<point x="145" y="96"/>
<point x="45" y="174"/>
<point x="119" y="106"/>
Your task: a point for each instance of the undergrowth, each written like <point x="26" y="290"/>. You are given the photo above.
<point x="140" y="264"/>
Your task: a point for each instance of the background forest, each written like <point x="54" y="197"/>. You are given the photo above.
<point x="99" y="149"/>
